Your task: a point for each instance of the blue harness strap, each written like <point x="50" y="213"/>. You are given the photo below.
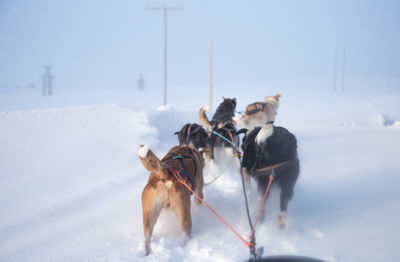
<point x="226" y="139"/>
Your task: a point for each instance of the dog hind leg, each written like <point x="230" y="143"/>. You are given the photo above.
<point x="181" y="205"/>
<point x="287" y="182"/>
<point x="151" y="210"/>
<point x="282" y="217"/>
<point x="199" y="186"/>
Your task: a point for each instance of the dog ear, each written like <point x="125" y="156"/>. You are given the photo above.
<point x="149" y="159"/>
<point x="277" y="96"/>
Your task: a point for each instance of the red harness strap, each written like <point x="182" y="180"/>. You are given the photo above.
<point x="234" y="144"/>
<point x="183" y="182"/>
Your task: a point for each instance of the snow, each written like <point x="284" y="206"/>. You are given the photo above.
<point x="71" y="184"/>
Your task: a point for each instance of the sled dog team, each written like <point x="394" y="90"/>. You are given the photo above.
<point x="264" y="145"/>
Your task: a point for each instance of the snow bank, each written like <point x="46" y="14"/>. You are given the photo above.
<point x="71" y="185"/>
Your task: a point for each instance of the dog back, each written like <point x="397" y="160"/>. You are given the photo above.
<point x="185" y="159"/>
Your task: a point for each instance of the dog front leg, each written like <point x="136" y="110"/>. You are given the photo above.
<point x="246" y="177"/>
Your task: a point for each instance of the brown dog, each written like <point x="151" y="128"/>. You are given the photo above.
<point x="164" y="191"/>
<point x="259" y="113"/>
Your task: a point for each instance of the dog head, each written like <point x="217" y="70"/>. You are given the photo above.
<point x="229" y="103"/>
<point x="273" y="99"/>
<point x="199" y="138"/>
<point x="254" y="116"/>
<point x="193" y="135"/>
<point x="259" y="113"/>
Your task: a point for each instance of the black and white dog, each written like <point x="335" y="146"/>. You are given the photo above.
<point x="270" y="146"/>
<point x="193" y="135"/>
<point x="221" y="123"/>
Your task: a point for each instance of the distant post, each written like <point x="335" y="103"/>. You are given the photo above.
<point x="165" y="9"/>
<point x="336" y="68"/>
<point x="343" y="67"/>
<point x="47" y="81"/>
<point x="211" y="76"/>
<point x="335" y="62"/>
<point x="140" y="82"/>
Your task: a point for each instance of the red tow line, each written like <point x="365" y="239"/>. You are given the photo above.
<point x="271" y="178"/>
<point x="183" y="182"/>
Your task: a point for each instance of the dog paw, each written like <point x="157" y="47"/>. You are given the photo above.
<point x="282" y="221"/>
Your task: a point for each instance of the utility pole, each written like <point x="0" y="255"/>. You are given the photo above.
<point x="47" y="81"/>
<point x="211" y="76"/>
<point x="165" y="9"/>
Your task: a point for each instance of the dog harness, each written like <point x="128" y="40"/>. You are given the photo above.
<point x="184" y="171"/>
<point x="258" y="106"/>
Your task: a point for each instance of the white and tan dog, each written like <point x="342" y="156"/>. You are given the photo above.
<point x="164" y="191"/>
<point x="259" y="113"/>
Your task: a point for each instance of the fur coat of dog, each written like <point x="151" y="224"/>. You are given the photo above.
<point x="163" y="191"/>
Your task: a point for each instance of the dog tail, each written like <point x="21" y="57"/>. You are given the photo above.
<point x="277" y="96"/>
<point x="149" y="159"/>
<point x="203" y="118"/>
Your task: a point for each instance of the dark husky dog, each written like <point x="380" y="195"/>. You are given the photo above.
<point x="224" y="114"/>
<point x="222" y="123"/>
<point x="195" y="136"/>
<point x="268" y="146"/>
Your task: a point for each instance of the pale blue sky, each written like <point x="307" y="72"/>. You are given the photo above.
<point x="103" y="44"/>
